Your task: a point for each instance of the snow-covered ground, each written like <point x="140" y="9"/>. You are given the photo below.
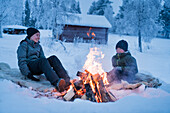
<point x="155" y="61"/>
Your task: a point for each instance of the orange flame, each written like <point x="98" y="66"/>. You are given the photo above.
<point x="95" y="73"/>
<point x="89" y="33"/>
<point x="93" y="64"/>
<point x="93" y="34"/>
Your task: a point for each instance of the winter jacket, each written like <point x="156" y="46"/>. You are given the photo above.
<point x="28" y="51"/>
<point x="128" y="65"/>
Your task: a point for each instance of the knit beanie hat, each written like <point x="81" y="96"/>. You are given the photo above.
<point x="31" y="31"/>
<point x="122" y="44"/>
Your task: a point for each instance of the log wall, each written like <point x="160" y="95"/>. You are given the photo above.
<point x="71" y="33"/>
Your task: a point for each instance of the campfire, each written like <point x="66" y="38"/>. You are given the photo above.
<point x="92" y="83"/>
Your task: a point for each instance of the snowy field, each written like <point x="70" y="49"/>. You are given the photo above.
<point x="155" y="61"/>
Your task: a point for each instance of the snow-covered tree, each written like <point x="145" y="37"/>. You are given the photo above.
<point x="34" y="13"/>
<point x="10" y="12"/>
<point x="164" y="18"/>
<point x="39" y="16"/>
<point x="3" y="12"/>
<point x="27" y="13"/>
<point x="138" y="17"/>
<point x="78" y="7"/>
<point x="92" y="8"/>
<point x="109" y="15"/>
<point x="98" y="8"/>
<point x="51" y="14"/>
<point x="102" y="7"/>
<point x="75" y="7"/>
<point x="47" y="14"/>
<point x="14" y="15"/>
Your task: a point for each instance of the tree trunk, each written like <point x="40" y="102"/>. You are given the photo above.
<point x="167" y="35"/>
<point x="0" y="30"/>
<point x="140" y="41"/>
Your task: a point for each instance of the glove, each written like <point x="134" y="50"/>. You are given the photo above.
<point x="118" y="69"/>
<point x="30" y="76"/>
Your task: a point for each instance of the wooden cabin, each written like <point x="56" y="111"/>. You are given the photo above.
<point x="14" y="29"/>
<point x="86" y="28"/>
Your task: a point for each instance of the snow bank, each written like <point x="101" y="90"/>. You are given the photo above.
<point x="14" y="99"/>
<point x="155" y="61"/>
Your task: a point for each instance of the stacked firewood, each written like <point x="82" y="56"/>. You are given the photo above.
<point x="89" y="87"/>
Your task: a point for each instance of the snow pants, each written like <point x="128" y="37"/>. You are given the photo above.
<point x="51" y="67"/>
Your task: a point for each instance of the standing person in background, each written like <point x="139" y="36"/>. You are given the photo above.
<point x="31" y="61"/>
<point x="124" y="64"/>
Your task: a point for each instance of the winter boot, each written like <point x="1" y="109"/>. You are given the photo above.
<point x="68" y="83"/>
<point x="60" y="86"/>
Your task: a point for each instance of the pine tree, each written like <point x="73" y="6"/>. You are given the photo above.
<point x="64" y="6"/>
<point x="103" y="7"/>
<point x="164" y="19"/>
<point x="93" y="8"/>
<point x="78" y="8"/>
<point x="98" y="8"/>
<point x="75" y="7"/>
<point x="27" y="13"/>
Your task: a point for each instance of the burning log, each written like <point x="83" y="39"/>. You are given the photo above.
<point x="84" y="97"/>
<point x="83" y="76"/>
<point x="105" y="97"/>
<point x="95" y="89"/>
<point x="78" y="84"/>
<point x="76" y="90"/>
<point x="89" y="93"/>
<point x="101" y="92"/>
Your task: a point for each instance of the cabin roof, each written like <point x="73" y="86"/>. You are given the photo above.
<point x="14" y="26"/>
<point x="88" y="20"/>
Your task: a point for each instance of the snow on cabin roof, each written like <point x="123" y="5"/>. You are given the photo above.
<point x="89" y="20"/>
<point x="14" y="26"/>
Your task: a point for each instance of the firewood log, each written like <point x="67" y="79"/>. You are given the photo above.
<point x="89" y="93"/>
<point x="105" y="97"/>
<point x="69" y="94"/>
<point x="82" y="75"/>
<point x="84" y="97"/>
<point x="113" y="98"/>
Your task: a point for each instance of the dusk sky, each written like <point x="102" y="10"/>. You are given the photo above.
<point x="85" y="5"/>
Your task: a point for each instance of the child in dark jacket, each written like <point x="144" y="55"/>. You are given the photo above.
<point x="124" y="65"/>
<point x="31" y="61"/>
